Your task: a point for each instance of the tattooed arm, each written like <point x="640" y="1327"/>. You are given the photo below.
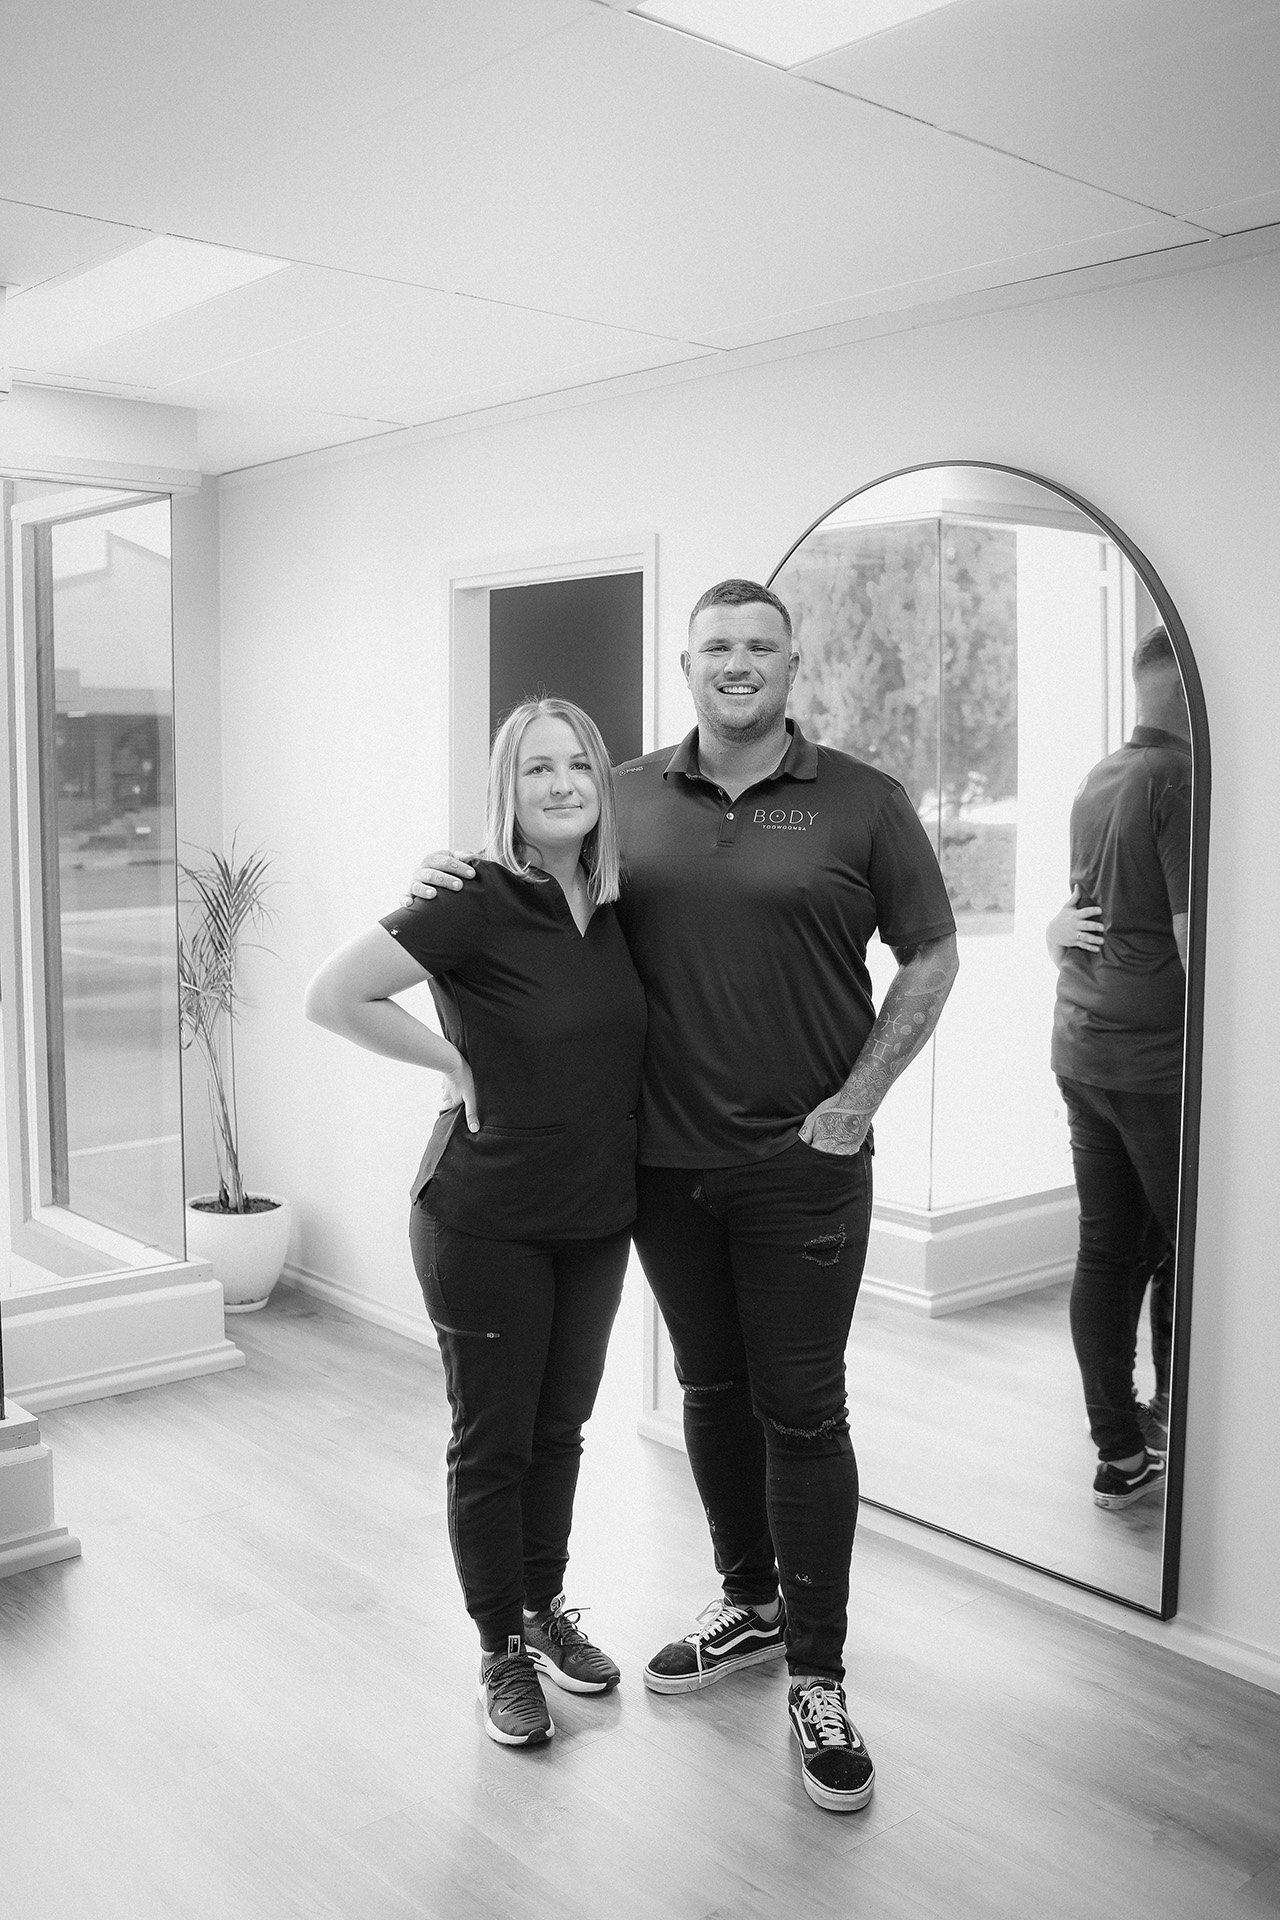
<point x="917" y="994"/>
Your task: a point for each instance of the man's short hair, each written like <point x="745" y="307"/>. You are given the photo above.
<point x="739" y="593"/>
<point x="1155" y="649"/>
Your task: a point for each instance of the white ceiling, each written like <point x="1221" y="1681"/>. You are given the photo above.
<point x="490" y="201"/>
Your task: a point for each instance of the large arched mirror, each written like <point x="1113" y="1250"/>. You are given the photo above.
<point x="972" y="630"/>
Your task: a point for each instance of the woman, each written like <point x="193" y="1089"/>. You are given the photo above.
<point x="522" y="1206"/>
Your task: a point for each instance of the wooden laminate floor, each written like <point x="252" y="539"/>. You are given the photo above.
<point x="252" y="1698"/>
<point x="976" y="1422"/>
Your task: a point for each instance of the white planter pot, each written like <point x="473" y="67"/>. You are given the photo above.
<point x="245" y="1250"/>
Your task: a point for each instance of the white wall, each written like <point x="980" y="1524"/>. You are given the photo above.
<point x="1158" y="401"/>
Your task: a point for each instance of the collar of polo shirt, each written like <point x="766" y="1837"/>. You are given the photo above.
<point x="799" y="762"/>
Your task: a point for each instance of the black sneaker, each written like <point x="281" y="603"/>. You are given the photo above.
<point x="1115" y="1487"/>
<point x="726" y="1639"/>
<point x="515" y="1713"/>
<point x="1154" y="1426"/>
<point x="557" y="1647"/>
<point x="835" y="1766"/>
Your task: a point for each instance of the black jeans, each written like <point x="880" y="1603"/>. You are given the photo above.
<point x="756" y="1270"/>
<point x="1125" y="1149"/>
<point x="523" y="1331"/>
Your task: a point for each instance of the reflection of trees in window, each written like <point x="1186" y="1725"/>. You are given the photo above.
<point x="864" y="602"/>
<point x="979" y="665"/>
<point x="887" y="616"/>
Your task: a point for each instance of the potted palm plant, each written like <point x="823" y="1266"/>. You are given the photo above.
<point x="243" y="1235"/>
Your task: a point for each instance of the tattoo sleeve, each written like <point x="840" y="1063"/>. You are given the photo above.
<point x="916" y="996"/>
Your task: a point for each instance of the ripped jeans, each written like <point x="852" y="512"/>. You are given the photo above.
<point x="756" y="1270"/>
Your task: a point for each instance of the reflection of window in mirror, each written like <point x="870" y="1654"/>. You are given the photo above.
<point x="971" y="631"/>
<point x="979" y="651"/>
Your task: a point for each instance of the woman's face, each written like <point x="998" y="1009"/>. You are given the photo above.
<point x="557" y="802"/>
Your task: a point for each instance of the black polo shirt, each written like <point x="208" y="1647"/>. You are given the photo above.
<point x="552" y="1024"/>
<point x="1118" y="1019"/>
<point x="748" y="921"/>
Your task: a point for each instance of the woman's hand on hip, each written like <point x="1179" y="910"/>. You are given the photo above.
<point x="460" y="1091"/>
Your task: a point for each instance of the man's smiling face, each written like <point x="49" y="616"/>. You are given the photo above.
<point x="740" y="665"/>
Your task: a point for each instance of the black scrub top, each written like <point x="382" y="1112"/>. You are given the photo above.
<point x="552" y="1024"/>
<point x="1119" y="1016"/>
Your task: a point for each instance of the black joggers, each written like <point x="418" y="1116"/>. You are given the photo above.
<point x="523" y="1330"/>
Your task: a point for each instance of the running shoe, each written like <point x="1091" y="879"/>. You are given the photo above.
<point x="1114" y="1487"/>
<point x="558" y="1647"/>
<point x="835" y="1766"/>
<point x="725" y="1639"/>
<point x="515" y="1713"/>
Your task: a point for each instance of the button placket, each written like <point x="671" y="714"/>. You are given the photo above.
<point x="728" y="834"/>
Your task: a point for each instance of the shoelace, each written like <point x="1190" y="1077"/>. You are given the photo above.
<point x="514" y="1684"/>
<point x="714" y="1619"/>
<point x="825" y="1712"/>
<point x="562" y="1628"/>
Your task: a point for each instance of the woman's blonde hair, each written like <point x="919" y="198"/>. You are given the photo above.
<point x="504" y="841"/>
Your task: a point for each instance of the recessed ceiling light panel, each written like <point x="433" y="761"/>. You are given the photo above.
<point x="56" y="322"/>
<point x="785" y="32"/>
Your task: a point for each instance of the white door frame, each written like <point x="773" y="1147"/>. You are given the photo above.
<point x="467" y="589"/>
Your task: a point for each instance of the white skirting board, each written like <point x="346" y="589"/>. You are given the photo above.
<point x="944" y="1259"/>
<point x="411" y="1322"/>
<point x="1179" y="1635"/>
<point x="29" y="1534"/>
<point x="85" y="1339"/>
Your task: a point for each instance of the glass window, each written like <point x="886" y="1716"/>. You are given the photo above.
<point x="97" y="847"/>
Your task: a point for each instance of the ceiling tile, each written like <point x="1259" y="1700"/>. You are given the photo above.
<point x="717" y="192"/>
<point x="1015" y="270"/>
<point x="1242" y="216"/>
<point x="427" y="356"/>
<point x="164" y="115"/>
<point x="296" y="304"/>
<point x="37" y="244"/>
<point x="1171" y="103"/>
<point x="235" y="437"/>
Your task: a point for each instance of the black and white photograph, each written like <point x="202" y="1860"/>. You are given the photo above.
<point x="637" y="912"/>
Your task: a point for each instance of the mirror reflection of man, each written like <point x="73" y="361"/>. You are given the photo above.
<point x="758" y="865"/>
<point x="1120" y="945"/>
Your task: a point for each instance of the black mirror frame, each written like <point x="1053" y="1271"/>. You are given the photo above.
<point x="1193" y="1049"/>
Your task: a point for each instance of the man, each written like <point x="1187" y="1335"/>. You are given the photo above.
<point x="758" y="866"/>
<point x="1120" y="945"/>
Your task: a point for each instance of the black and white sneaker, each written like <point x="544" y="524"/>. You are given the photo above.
<point x="835" y="1766"/>
<point x="726" y="1639"/>
<point x="1115" y="1487"/>
<point x="558" y="1647"/>
<point x="515" y="1713"/>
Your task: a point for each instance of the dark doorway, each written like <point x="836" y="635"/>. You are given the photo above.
<point x="579" y="640"/>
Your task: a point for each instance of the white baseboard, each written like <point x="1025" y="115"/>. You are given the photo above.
<point x="87" y="1339"/>
<point x="412" y="1323"/>
<point x="976" y="1293"/>
<point x="29" y="1534"/>
<point x="667" y="1429"/>
<point x="37" y="1550"/>
<point x="1181" y="1636"/>
<point x="946" y="1259"/>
